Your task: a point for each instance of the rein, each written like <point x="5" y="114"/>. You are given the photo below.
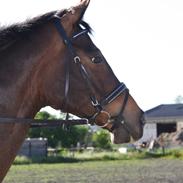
<point x="43" y="123"/>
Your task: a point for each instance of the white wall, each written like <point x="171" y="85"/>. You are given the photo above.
<point x="150" y="132"/>
<point x="179" y="125"/>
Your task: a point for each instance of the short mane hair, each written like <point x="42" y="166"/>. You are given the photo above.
<point x="15" y="32"/>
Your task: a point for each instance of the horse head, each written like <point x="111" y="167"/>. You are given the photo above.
<point x="50" y="60"/>
<point x="81" y="82"/>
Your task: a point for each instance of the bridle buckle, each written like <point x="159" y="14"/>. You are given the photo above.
<point x="95" y="103"/>
<point x="77" y="59"/>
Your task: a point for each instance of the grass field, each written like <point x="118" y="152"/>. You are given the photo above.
<point x="116" y="171"/>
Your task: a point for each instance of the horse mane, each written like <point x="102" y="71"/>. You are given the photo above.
<point x="20" y="31"/>
<point x="13" y="33"/>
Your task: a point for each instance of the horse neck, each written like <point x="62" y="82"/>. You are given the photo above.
<point x="19" y="96"/>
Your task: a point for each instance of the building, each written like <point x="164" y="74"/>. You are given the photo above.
<point x="161" y="119"/>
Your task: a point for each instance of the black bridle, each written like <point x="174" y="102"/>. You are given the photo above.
<point x="98" y="105"/>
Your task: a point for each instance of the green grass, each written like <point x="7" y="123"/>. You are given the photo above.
<point x="99" y="167"/>
<point x="101" y="156"/>
<point x="119" y="171"/>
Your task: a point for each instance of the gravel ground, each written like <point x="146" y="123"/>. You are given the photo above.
<point x="126" y="171"/>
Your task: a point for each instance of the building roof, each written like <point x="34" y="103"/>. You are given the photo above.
<point x="165" y="112"/>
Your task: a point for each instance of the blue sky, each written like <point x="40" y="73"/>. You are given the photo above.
<point x="142" y="40"/>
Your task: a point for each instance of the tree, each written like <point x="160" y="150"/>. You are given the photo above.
<point x="58" y="136"/>
<point x="179" y="99"/>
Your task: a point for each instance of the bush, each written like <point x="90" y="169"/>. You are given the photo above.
<point x="101" y="139"/>
<point x="19" y="160"/>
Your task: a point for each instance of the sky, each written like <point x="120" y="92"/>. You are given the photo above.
<point x="142" y="41"/>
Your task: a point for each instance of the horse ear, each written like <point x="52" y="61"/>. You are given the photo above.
<point x="79" y="10"/>
<point x="86" y="2"/>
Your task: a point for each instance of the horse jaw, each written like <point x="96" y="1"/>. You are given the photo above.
<point x="119" y="136"/>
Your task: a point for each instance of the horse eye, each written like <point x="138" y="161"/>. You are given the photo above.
<point x="96" y="60"/>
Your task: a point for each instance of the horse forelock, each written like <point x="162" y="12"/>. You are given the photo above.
<point x="85" y="25"/>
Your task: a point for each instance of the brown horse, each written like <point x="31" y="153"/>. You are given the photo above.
<point x="51" y="61"/>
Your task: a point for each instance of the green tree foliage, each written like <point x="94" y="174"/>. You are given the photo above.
<point x="58" y="136"/>
<point x="179" y="99"/>
<point x="101" y="139"/>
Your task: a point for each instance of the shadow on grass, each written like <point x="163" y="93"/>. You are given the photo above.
<point x="45" y="160"/>
<point x="98" y="157"/>
<point x="61" y="159"/>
